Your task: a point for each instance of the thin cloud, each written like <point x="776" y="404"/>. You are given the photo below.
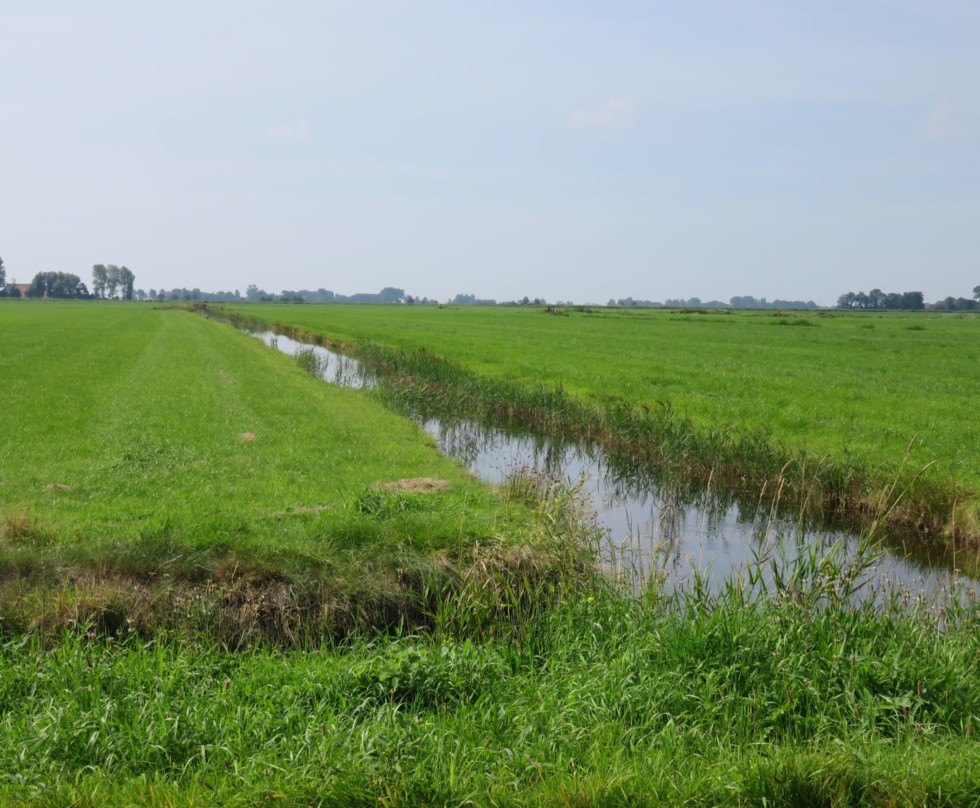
<point x="616" y="113"/>
<point x="290" y="133"/>
<point x="945" y="122"/>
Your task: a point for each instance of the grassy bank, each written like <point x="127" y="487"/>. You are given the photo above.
<point x="599" y="701"/>
<point x="160" y="469"/>
<point x="818" y="409"/>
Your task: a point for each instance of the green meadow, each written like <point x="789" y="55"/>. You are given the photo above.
<point x="152" y="446"/>
<point x="223" y="582"/>
<point x="847" y="393"/>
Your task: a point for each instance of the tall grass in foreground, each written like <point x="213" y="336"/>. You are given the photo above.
<point x="776" y="695"/>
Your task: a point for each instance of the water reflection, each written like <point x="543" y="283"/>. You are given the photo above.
<point x="651" y="533"/>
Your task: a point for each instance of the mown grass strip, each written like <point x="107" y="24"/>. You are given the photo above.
<point x="163" y="471"/>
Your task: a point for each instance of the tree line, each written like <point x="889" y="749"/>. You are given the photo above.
<point x="58" y="285"/>
<point x="906" y="301"/>
<point x="737" y="302"/>
<point x="108" y="281"/>
<point x="253" y="294"/>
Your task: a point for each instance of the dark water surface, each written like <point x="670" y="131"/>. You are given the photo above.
<point x="647" y="533"/>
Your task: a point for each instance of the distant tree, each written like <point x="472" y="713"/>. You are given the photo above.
<point x="876" y="299"/>
<point x="913" y="301"/>
<point x="856" y="300"/>
<point x="954" y="304"/>
<point x="57" y="284"/>
<point x="3" y="276"/>
<point x="126" y="281"/>
<point x="471" y="300"/>
<point x="100" y="277"/>
<point x="108" y="279"/>
<point x="391" y="295"/>
<point x="976" y="290"/>
<point x="113" y="280"/>
<point x="38" y="286"/>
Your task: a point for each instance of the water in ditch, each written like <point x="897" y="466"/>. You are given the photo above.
<point x="648" y="534"/>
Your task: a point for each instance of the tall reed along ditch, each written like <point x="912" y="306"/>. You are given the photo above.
<point x="677" y="507"/>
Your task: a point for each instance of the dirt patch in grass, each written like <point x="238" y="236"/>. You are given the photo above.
<point x="417" y="485"/>
<point x="248" y="436"/>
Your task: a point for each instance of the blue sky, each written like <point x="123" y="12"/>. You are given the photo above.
<point x="567" y="150"/>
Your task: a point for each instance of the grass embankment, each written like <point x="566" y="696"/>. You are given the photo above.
<point x="157" y="468"/>
<point x="601" y="701"/>
<point x="815" y="409"/>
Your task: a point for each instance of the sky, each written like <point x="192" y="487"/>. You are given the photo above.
<point x="560" y="149"/>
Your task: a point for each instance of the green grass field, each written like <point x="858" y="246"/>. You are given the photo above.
<point x="852" y="391"/>
<point x="157" y="445"/>
<point x="210" y="595"/>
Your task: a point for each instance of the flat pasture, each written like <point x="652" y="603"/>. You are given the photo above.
<point x="223" y="582"/>
<point x="854" y="390"/>
<point x="159" y="446"/>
